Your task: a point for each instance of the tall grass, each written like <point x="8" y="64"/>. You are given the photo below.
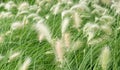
<point x="59" y="35"/>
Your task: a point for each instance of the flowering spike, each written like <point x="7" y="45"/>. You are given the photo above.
<point x="43" y="30"/>
<point x="17" y="25"/>
<point x="105" y="58"/>
<point x="64" y="25"/>
<point x="59" y="51"/>
<point x="26" y="64"/>
<point x="13" y="56"/>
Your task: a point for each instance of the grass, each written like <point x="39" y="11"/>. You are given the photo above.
<point x="86" y="57"/>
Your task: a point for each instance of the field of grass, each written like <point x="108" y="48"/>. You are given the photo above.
<point x="59" y="35"/>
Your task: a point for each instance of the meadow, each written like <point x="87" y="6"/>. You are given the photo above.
<point x="59" y="35"/>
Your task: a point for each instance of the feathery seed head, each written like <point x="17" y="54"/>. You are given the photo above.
<point x="90" y="36"/>
<point x="13" y="56"/>
<point x="56" y="8"/>
<point x="36" y="19"/>
<point x="32" y="15"/>
<point x="17" y="25"/>
<point x="38" y="10"/>
<point x="106" y="19"/>
<point x="10" y="5"/>
<point x="81" y="6"/>
<point x="107" y="29"/>
<point x="6" y="15"/>
<point x="66" y="39"/>
<point x="116" y="6"/>
<point x="64" y="25"/>
<point x="77" y="20"/>
<point x="33" y="8"/>
<point x="105" y="58"/>
<point x="26" y="64"/>
<point x="106" y="2"/>
<point x="76" y="45"/>
<point x="22" y="13"/>
<point x="66" y="13"/>
<point x="59" y="51"/>
<point x="23" y="6"/>
<point x="99" y="10"/>
<point x="95" y="41"/>
<point x="41" y="37"/>
<point x="43" y="30"/>
<point x="69" y="2"/>
<point x="90" y="29"/>
<point x="39" y="2"/>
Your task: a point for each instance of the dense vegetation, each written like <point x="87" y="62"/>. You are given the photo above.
<point x="59" y="35"/>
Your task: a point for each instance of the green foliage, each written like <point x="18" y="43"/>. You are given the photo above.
<point x="26" y="41"/>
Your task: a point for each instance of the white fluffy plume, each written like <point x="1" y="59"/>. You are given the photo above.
<point x="43" y="30"/>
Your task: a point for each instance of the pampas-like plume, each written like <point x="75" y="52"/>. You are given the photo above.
<point x="107" y="29"/>
<point x="116" y="6"/>
<point x="107" y="2"/>
<point x="41" y="37"/>
<point x="99" y="10"/>
<point x="81" y="6"/>
<point x="23" y="6"/>
<point x="43" y="30"/>
<point x="33" y="8"/>
<point x="56" y="8"/>
<point x="90" y="29"/>
<point x="26" y="64"/>
<point x="64" y="25"/>
<point x="105" y="58"/>
<point x="106" y="19"/>
<point x="66" y="39"/>
<point x="66" y="12"/>
<point x="77" y="20"/>
<point x="90" y="36"/>
<point x="36" y="19"/>
<point x="59" y="51"/>
<point x="38" y="10"/>
<point x="40" y="2"/>
<point x="66" y="1"/>
<point x="76" y="45"/>
<point x="95" y="41"/>
<point x="99" y="40"/>
<point x="10" y="5"/>
<point x="21" y="13"/>
<point x="32" y="15"/>
<point x="17" y="25"/>
<point x="6" y="15"/>
<point x="13" y="56"/>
